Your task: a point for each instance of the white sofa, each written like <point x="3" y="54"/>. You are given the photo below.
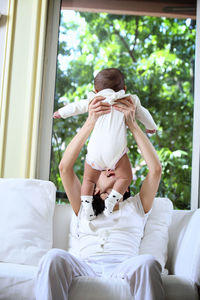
<point x="17" y="280"/>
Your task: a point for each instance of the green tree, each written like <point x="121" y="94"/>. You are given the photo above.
<point x="157" y="57"/>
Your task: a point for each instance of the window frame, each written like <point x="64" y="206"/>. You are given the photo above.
<point x="47" y="103"/>
<point x="48" y="90"/>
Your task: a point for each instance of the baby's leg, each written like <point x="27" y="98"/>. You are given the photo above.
<point x="123" y="173"/>
<point x="90" y="178"/>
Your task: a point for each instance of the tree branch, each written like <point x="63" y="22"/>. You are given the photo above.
<point x="136" y="30"/>
<point x="126" y="45"/>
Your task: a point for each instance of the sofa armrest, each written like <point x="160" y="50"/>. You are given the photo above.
<point x="184" y="245"/>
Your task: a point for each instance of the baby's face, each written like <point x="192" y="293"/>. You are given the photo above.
<point x="105" y="183"/>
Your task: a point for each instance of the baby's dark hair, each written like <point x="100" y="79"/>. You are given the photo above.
<point x="98" y="204"/>
<point x="111" y="78"/>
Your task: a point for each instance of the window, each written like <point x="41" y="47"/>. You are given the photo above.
<point x="157" y="57"/>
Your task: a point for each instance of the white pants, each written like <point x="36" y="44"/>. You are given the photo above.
<point x="57" y="269"/>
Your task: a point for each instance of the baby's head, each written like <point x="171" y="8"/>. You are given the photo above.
<point x="111" y="78"/>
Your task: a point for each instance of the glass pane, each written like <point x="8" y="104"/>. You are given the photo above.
<point x="156" y="56"/>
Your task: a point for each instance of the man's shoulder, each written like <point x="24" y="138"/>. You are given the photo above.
<point x="137" y="203"/>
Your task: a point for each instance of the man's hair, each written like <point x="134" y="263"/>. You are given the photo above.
<point x="111" y="78"/>
<point x="98" y="204"/>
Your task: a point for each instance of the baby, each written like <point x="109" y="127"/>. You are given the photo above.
<point x="107" y="147"/>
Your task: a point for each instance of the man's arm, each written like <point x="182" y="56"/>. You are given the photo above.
<point x="70" y="181"/>
<point x="151" y="182"/>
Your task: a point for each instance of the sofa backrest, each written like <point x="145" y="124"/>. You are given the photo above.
<point x="61" y="225"/>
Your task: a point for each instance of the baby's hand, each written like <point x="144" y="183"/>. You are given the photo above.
<point x="56" y="115"/>
<point x="151" y="131"/>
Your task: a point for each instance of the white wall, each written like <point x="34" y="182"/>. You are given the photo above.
<point x="195" y="195"/>
<point x="21" y="87"/>
<point x="3" y="20"/>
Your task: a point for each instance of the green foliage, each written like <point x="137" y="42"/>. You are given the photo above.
<point x="157" y="57"/>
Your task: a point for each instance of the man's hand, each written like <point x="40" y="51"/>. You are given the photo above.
<point x="97" y="108"/>
<point x="127" y="106"/>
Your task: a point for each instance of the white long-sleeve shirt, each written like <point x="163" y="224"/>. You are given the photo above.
<point x="108" y="140"/>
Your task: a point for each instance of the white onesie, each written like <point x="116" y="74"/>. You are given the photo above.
<point x="108" y="141"/>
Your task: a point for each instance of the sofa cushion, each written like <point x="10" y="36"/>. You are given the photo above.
<point x="155" y="240"/>
<point x="179" y="288"/>
<point x="26" y="214"/>
<point x="17" y="281"/>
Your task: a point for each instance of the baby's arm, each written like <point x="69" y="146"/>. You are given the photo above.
<point x="56" y="115"/>
<point x="72" y="109"/>
<point x="144" y="116"/>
